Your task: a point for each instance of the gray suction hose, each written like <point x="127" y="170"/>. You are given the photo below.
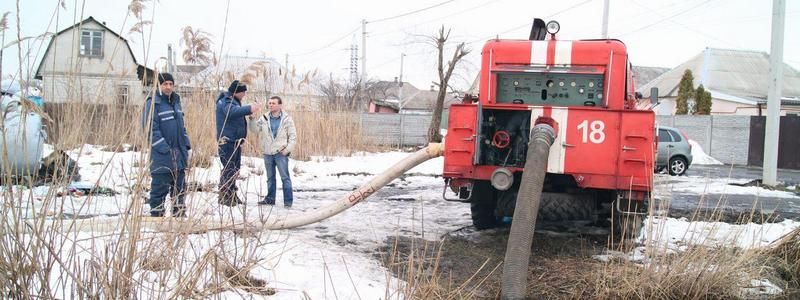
<point x="518" y="251"/>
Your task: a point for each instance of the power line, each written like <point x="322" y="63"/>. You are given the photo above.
<point x="687" y="27"/>
<point x="437" y="19"/>
<point x="528" y="23"/>
<point x="328" y="44"/>
<point x="666" y="18"/>
<point x="411" y="12"/>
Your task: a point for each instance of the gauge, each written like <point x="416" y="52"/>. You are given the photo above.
<point x="516" y="83"/>
<point x="599" y="96"/>
<point x="572" y="84"/>
<point x="550" y="83"/>
<point x="591" y="84"/>
<point x="580" y="91"/>
<point x="560" y="83"/>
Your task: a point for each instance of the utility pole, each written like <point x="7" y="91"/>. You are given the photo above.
<point x="363" y="53"/>
<point x="605" y="18"/>
<point x="774" y="94"/>
<point x="400" y="84"/>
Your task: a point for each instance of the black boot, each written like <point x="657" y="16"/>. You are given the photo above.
<point x="226" y="199"/>
<point x="179" y="211"/>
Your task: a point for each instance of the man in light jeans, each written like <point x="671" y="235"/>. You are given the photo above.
<point x="278" y="137"/>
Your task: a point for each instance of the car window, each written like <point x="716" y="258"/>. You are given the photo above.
<point x="663" y="136"/>
<point x="676" y="137"/>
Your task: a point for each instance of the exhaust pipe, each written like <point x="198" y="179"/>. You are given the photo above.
<point x="518" y="251"/>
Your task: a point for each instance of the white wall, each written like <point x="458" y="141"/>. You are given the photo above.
<point x="67" y="76"/>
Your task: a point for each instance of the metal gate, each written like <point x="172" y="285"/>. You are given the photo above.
<point x="788" y="142"/>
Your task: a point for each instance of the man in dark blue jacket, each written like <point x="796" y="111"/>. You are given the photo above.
<point x="231" y="132"/>
<point x="169" y="148"/>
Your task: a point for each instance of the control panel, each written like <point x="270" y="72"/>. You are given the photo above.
<point x="550" y="89"/>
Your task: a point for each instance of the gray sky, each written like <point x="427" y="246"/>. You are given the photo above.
<point x="316" y="34"/>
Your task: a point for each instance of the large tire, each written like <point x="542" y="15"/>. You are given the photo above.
<point x="482" y="205"/>
<point x="567" y="207"/>
<point x="627" y="227"/>
<point x="677" y="166"/>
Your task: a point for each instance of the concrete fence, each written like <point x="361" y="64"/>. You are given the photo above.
<point x="725" y="138"/>
<point x="396" y="129"/>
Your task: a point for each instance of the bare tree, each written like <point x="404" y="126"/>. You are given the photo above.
<point x="439" y="42"/>
<point x="198" y="46"/>
<point x="348" y="95"/>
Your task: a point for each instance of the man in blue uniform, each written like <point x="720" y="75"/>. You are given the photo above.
<point x="231" y="133"/>
<point x="169" y="148"/>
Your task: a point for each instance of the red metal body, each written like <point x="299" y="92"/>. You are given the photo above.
<point x="607" y="145"/>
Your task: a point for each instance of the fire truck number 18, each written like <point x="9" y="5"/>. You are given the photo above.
<point x="592" y="131"/>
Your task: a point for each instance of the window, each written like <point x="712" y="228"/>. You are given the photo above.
<point x="122" y="94"/>
<point x="92" y="43"/>
<point x="663" y="136"/>
<point x="676" y="136"/>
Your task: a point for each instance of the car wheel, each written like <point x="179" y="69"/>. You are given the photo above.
<point x="677" y="166"/>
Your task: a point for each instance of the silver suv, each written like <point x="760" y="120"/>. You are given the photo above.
<point x="674" y="151"/>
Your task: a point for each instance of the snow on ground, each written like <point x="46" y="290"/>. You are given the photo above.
<point x="699" y="157"/>
<point x="701" y="184"/>
<point x="335" y="258"/>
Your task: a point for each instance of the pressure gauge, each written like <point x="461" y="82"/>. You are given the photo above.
<point x="560" y="83"/>
<point x="572" y="84"/>
<point x="599" y="96"/>
<point x="591" y="84"/>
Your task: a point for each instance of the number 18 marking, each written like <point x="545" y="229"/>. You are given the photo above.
<point x="596" y="135"/>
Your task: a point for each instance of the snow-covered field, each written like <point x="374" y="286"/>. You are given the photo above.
<point x="336" y="257"/>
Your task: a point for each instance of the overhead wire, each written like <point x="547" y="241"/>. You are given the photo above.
<point x="666" y="18"/>
<point x="411" y="12"/>
<point x="328" y="44"/>
<point x="528" y="23"/>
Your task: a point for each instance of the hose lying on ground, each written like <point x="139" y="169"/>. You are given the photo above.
<point x="433" y="150"/>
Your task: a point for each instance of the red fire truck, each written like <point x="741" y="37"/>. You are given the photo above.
<point x="601" y="162"/>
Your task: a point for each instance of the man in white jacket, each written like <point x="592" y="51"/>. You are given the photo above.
<point x="278" y="138"/>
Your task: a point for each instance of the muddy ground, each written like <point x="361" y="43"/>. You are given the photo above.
<point x="561" y="264"/>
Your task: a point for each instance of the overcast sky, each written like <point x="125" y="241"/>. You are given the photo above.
<point x="317" y="34"/>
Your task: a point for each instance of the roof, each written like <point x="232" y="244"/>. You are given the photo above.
<point x="393" y="104"/>
<point x="643" y="75"/>
<point x="739" y="73"/>
<point x="103" y="25"/>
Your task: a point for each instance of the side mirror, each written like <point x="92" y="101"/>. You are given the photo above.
<point x="654" y="96"/>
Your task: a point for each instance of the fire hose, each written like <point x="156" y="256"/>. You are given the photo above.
<point x="518" y="251"/>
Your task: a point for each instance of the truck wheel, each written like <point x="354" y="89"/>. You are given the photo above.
<point x="627" y="226"/>
<point x="482" y="205"/>
<point x="567" y="207"/>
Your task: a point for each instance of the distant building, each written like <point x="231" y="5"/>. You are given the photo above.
<point x="89" y="62"/>
<point x="386" y="97"/>
<point x="737" y="80"/>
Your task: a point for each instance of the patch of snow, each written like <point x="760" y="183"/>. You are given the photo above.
<point x="706" y="185"/>
<point x="761" y="287"/>
<point x="675" y="234"/>
<point x="699" y="157"/>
